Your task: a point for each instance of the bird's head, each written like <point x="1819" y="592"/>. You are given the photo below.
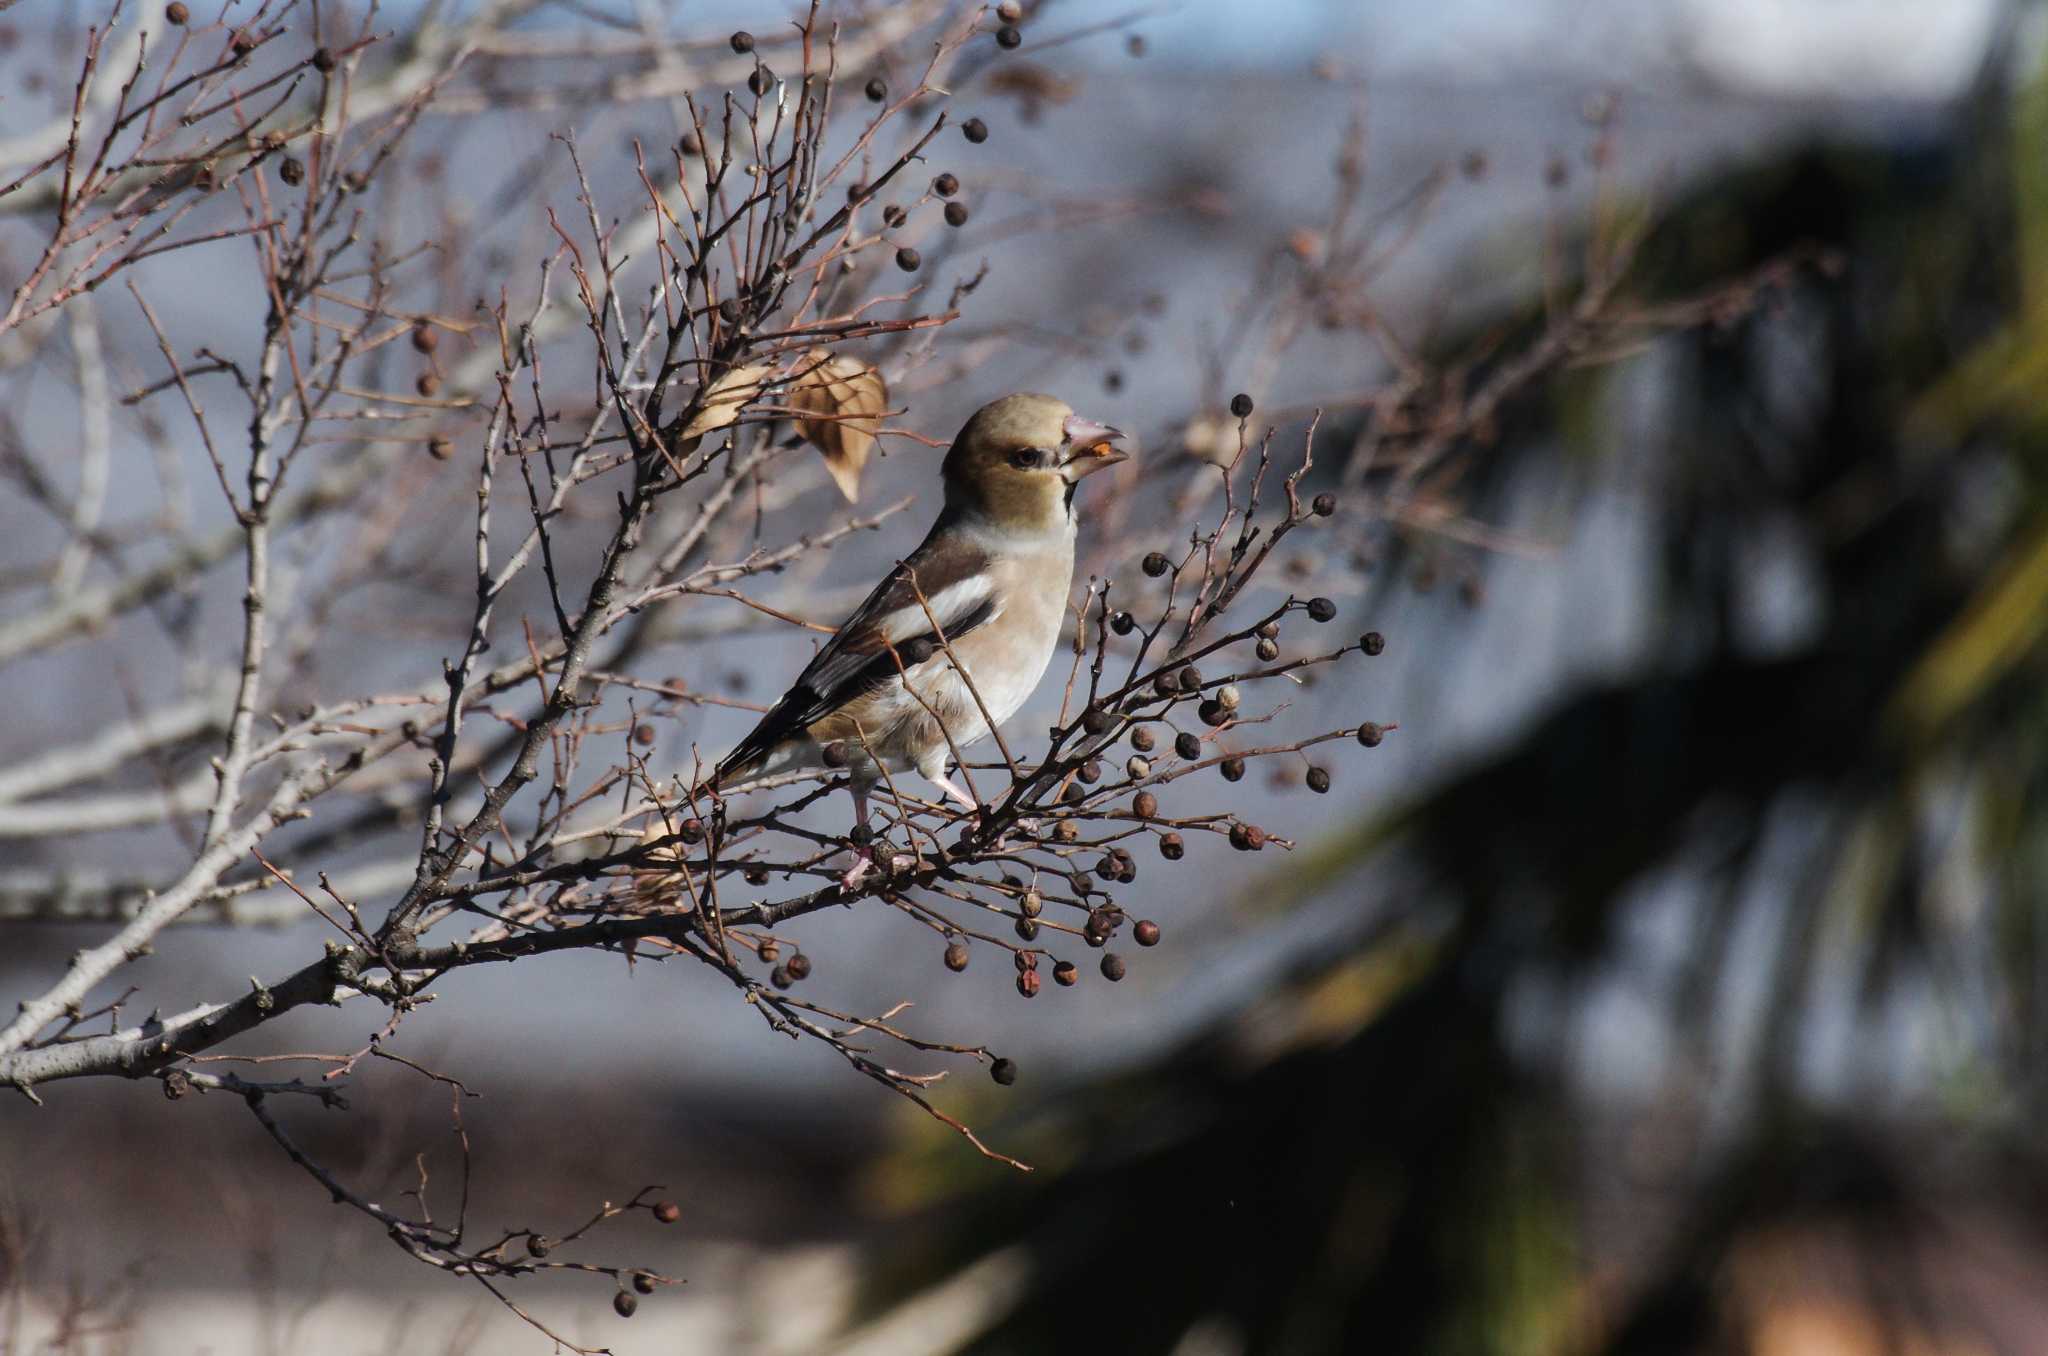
<point x="1018" y="460"/>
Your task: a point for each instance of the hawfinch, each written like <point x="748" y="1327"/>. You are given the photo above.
<point x="993" y="574"/>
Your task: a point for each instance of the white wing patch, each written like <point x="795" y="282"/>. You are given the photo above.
<point x="949" y="604"/>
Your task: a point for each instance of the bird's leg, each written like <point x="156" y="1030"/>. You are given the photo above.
<point x="945" y="784"/>
<point x="863" y="852"/>
<point x="967" y="802"/>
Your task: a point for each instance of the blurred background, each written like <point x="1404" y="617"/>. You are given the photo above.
<point x="1671" y="981"/>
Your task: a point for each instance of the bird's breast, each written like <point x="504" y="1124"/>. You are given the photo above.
<point x="1007" y="657"/>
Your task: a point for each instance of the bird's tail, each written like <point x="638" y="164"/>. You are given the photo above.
<point x="735" y="767"/>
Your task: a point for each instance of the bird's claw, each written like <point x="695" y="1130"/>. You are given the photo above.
<point x="863" y="863"/>
<point x="867" y="859"/>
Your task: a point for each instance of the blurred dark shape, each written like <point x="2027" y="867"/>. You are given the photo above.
<point x="1380" y="1154"/>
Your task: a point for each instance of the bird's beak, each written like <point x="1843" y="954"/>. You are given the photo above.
<point x="1088" y="447"/>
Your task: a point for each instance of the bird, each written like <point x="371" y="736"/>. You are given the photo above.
<point x="955" y="638"/>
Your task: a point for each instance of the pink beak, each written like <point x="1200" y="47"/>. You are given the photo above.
<point x="1090" y="447"/>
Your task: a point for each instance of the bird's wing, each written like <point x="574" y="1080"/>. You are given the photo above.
<point x="889" y="632"/>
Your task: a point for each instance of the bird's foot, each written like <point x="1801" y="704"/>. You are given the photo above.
<point x="1017" y="833"/>
<point x="871" y="857"/>
<point x="1026" y="830"/>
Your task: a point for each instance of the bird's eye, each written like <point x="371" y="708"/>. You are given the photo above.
<point x="1029" y="458"/>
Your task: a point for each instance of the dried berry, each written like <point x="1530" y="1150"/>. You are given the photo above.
<point x="779" y="977"/>
<point x="1172" y="847"/>
<point x="1370" y="735"/>
<point x="770" y="951"/>
<point x="691" y="830"/>
<point x="1143" y="740"/>
<point x="1066" y="831"/>
<point x="1321" y="609"/>
<point x="908" y="259"/>
<point x="1319" y="780"/>
<point x="878" y="90"/>
<point x="729" y="311"/>
<point x="1233" y="769"/>
<point x="761" y="81"/>
<point x="425" y="338"/>
<point x="1241" y="405"/>
<point x="799" y="966"/>
<point x="893" y="216"/>
<point x="668" y="1212"/>
<point x="743" y="42"/>
<point x="1112" y="967"/>
<point x="1146" y="933"/>
<point x="1096" y="721"/>
<point x="540" y="1245"/>
<point x="758" y="875"/>
<point x="1268" y="631"/>
<point x="1082" y="885"/>
<point x="1073" y="794"/>
<point x="1135" y="44"/>
<point x="1165" y="684"/>
<point x="1008" y="37"/>
<point x="1137" y="769"/>
<point x="1004" y="1071"/>
<point x="1027" y="983"/>
<point x="1066" y="974"/>
<point x="1267" y="651"/>
<point x="292" y="170"/>
<point x="440" y="448"/>
<point x="1102" y="922"/>
<point x="975" y="130"/>
<point x="1010" y="11"/>
<point x="946" y="185"/>
<point x="1027" y="929"/>
<point x="1324" y="505"/>
<point x="177" y="12"/>
<point x="1155" y="564"/>
<point x="1190" y="678"/>
<point x="242" y="42"/>
<point x="624" y="1304"/>
<point x="1090" y="771"/>
<point x="835" y="754"/>
<point x="1372" y="642"/>
<point x="427" y="385"/>
<point x="1031" y="903"/>
<point x="1213" y="713"/>
<point x="643" y="1282"/>
<point x="956" y="214"/>
<point x="956" y="956"/>
<point x="643" y="734"/>
<point x="691" y="144"/>
<point x="1228" y="697"/>
<point x="1123" y="623"/>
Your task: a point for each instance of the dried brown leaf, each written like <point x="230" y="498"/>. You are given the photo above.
<point x="725" y="398"/>
<point x="844" y="399"/>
